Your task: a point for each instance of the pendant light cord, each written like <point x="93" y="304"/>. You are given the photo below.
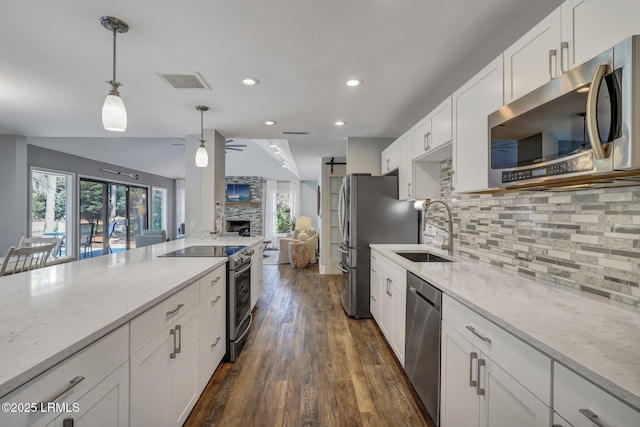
<point x="201" y="126"/>
<point x="114" y="58"/>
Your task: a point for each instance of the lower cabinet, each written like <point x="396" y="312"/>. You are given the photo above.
<point x="478" y="392"/>
<point x="374" y="291"/>
<point x="577" y="402"/>
<point x="389" y="284"/>
<point x="256" y="273"/>
<point x="164" y="375"/>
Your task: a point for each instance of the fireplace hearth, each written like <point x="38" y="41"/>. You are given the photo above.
<point x="243" y="228"/>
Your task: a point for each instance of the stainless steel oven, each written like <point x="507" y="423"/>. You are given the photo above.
<point x="239" y="315"/>
<point x="579" y="129"/>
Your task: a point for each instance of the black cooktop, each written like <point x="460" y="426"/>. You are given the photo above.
<point x="205" y="251"/>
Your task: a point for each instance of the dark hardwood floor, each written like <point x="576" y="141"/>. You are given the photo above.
<point x="306" y="363"/>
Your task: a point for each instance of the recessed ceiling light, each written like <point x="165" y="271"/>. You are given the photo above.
<point x="340" y="123"/>
<point x="269" y="122"/>
<point x="250" y="81"/>
<point x="354" y="82"/>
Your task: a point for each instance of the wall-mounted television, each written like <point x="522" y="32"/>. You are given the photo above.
<point x="238" y="193"/>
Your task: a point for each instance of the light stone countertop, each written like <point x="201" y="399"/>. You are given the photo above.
<point x="596" y="337"/>
<point x="46" y="315"/>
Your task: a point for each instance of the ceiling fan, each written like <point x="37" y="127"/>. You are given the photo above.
<point x="227" y="145"/>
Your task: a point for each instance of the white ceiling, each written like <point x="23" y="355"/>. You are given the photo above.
<point x="56" y="57"/>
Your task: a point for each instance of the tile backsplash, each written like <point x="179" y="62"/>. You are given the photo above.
<point x="585" y="239"/>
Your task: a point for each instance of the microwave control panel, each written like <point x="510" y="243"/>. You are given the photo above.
<point x="572" y="165"/>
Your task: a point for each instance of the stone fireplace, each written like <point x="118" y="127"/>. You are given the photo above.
<point x="241" y="227"/>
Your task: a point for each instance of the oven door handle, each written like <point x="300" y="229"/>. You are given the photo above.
<point x="244" y="269"/>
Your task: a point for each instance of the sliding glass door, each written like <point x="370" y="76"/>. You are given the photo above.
<point x="111" y="214"/>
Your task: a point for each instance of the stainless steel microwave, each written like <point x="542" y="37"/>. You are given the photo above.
<point x="581" y="128"/>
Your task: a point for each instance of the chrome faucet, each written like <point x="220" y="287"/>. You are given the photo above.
<point x="427" y="203"/>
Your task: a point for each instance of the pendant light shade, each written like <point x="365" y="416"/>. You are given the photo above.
<point x="114" y="115"/>
<point x="202" y="158"/>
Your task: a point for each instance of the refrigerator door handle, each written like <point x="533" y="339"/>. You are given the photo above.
<point x="343" y="249"/>
<point x="342" y="268"/>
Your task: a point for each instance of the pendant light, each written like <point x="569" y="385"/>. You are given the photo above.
<point x="114" y="115"/>
<point x="202" y="158"/>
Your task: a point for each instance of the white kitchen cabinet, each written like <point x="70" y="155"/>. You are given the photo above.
<point x="575" y="399"/>
<point x="472" y="104"/>
<point x="393" y="304"/>
<point x="164" y="374"/>
<point x="434" y="130"/>
<point x="375" y="289"/>
<point x="98" y="374"/>
<point x="405" y="168"/>
<point x="390" y="158"/>
<point x="475" y="391"/>
<point x="213" y="324"/>
<point x="106" y="405"/>
<point x="591" y="26"/>
<point x="534" y="59"/>
<point x="256" y="273"/>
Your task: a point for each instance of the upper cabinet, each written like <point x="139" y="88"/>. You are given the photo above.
<point x="433" y="131"/>
<point x="472" y="103"/>
<point x="390" y="158"/>
<point x="405" y="168"/>
<point x="534" y="59"/>
<point x="592" y="26"/>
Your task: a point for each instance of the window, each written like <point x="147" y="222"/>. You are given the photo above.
<point x="285" y="223"/>
<point x="51" y="207"/>
<point x="159" y="209"/>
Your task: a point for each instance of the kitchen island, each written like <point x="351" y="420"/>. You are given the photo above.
<point x="593" y="336"/>
<point x="49" y="314"/>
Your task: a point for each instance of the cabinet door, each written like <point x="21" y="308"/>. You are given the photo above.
<point x="375" y="289"/>
<point x="151" y="382"/>
<point x="592" y="26"/>
<point x="184" y="374"/>
<point x="505" y="402"/>
<point x="472" y="103"/>
<point x="405" y="170"/>
<point x="421" y="132"/>
<point x="534" y="59"/>
<point x="106" y="405"/>
<point x="459" y="403"/>
<point x="399" y="309"/>
<point x="441" y="125"/>
<point x="386" y="304"/>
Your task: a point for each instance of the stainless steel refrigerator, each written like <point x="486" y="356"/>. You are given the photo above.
<point x="369" y="212"/>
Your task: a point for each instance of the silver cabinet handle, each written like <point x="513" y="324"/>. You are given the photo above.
<point x="214" y="281"/>
<point x="388" y="164"/>
<point x="175" y="310"/>
<point x="593" y="417"/>
<point x="215" y="343"/>
<point x="389" y="287"/>
<point x="178" y="349"/>
<point x="472" y="356"/>
<point x="424" y="142"/>
<point x="483" y="338"/>
<point x="172" y="333"/>
<point x="428" y="138"/>
<point x="564" y="46"/>
<point x="74" y="382"/>
<point x="213" y="302"/>
<point x="479" y="389"/>
<point x="552" y="54"/>
<point x="592" y="111"/>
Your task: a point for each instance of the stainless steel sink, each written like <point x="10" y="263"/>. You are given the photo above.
<point x="422" y="257"/>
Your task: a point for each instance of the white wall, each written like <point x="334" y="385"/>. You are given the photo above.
<point x="309" y="201"/>
<point x="363" y="154"/>
<point x="14" y="176"/>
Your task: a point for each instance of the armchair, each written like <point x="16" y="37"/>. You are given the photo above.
<point x="312" y="241"/>
<point x="150" y="237"/>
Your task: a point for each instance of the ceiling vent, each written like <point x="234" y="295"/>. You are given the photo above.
<point x="290" y="132"/>
<point x="185" y="81"/>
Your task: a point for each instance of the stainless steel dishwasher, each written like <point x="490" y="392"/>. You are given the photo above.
<point x="422" y="351"/>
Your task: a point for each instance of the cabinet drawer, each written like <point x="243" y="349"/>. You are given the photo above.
<point x="524" y="363"/>
<point x="572" y="393"/>
<point x="157" y="318"/>
<point x="87" y="368"/>
<point x="211" y="283"/>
